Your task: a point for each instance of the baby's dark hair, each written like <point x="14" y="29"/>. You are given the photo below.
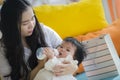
<point x="80" y="52"/>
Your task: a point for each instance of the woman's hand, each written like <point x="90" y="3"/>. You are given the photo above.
<point x="66" y="68"/>
<point x="37" y="68"/>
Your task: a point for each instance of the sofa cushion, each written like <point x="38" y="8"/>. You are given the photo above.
<point x="73" y="19"/>
<point x="112" y="29"/>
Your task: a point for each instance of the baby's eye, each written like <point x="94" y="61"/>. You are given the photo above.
<point x="68" y="50"/>
<point x="61" y="47"/>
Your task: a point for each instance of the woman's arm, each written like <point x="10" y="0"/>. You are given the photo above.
<point x="37" y="68"/>
<point x="66" y="68"/>
<point x="51" y="37"/>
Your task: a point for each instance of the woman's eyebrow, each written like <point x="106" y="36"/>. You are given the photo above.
<point x="27" y="20"/>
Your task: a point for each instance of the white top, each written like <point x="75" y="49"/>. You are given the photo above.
<point x="51" y="37"/>
<point x="54" y="61"/>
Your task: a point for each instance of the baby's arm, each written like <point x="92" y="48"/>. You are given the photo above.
<point x="51" y="63"/>
<point x="52" y="60"/>
<point x="70" y="58"/>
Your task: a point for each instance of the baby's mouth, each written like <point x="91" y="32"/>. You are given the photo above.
<point x="60" y="53"/>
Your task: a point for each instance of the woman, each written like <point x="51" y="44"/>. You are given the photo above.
<point x="22" y="36"/>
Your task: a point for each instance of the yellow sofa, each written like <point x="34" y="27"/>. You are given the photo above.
<point x="73" y="19"/>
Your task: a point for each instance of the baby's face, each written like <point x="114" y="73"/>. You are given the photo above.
<point x="66" y="48"/>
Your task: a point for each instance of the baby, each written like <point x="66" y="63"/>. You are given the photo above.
<point x="70" y="49"/>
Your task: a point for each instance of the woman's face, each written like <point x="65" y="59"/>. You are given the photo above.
<point x="28" y="22"/>
<point x="66" y="48"/>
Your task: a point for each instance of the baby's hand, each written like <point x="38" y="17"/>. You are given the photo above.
<point x="49" y="52"/>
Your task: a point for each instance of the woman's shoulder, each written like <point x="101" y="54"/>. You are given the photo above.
<point x="5" y="68"/>
<point x="46" y="28"/>
<point x="4" y="65"/>
<point x="49" y="31"/>
<point x="2" y="53"/>
<point x="51" y="36"/>
<point x="1" y="47"/>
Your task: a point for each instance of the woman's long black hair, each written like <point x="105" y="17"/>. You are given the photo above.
<point x="11" y="14"/>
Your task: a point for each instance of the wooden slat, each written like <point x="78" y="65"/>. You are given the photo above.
<point x="99" y="62"/>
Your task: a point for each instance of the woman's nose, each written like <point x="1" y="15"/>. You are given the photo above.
<point x="31" y="24"/>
